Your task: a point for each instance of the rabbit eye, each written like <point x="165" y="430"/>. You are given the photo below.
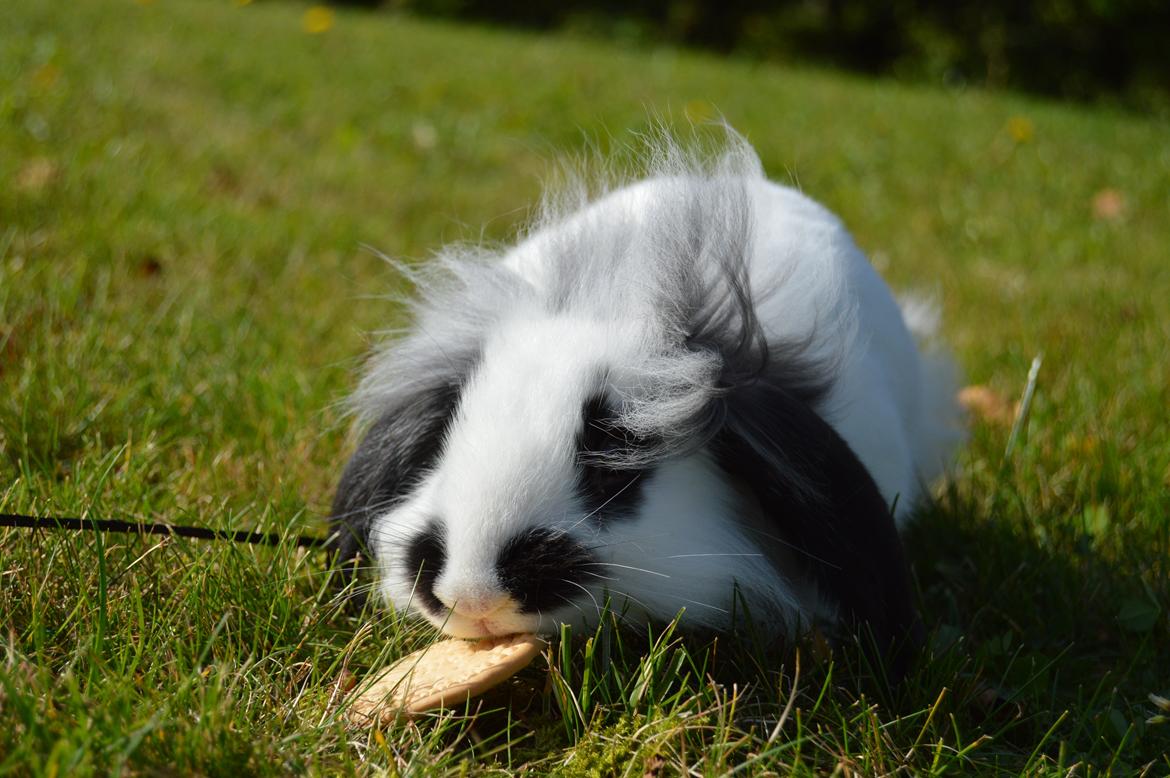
<point x="607" y="490"/>
<point x="600" y="434"/>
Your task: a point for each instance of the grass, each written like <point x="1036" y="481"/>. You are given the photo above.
<point x="184" y="299"/>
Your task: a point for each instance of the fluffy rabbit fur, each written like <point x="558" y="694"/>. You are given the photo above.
<point x="690" y="392"/>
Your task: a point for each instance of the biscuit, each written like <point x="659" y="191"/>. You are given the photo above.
<point x="444" y="674"/>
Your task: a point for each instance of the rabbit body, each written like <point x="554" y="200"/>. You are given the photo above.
<point x="692" y="392"/>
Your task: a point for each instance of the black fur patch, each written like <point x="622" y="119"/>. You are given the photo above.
<point x="395" y="452"/>
<point x="542" y="569"/>
<point x="425" y="557"/>
<point x="608" y="492"/>
<point x="825" y="507"/>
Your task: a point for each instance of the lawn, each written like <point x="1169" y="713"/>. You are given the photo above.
<point x="187" y="191"/>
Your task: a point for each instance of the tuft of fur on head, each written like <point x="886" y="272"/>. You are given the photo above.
<point x="677" y="266"/>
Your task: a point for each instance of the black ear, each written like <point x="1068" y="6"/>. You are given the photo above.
<point x="826" y="510"/>
<point x="393" y="454"/>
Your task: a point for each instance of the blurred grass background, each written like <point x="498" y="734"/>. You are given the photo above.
<point x="1107" y="51"/>
<point x="185" y="299"/>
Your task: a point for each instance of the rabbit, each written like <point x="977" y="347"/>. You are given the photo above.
<point x="687" y="393"/>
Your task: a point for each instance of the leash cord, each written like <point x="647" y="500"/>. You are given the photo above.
<point x="158" y="528"/>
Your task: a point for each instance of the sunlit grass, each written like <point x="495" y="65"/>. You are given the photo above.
<point x="186" y="188"/>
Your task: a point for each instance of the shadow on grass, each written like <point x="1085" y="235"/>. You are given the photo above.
<point x="1025" y="606"/>
<point x="1026" y="665"/>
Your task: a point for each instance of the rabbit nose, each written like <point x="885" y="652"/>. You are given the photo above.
<point x="478" y="606"/>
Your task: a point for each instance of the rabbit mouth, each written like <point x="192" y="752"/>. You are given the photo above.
<point x="489" y="628"/>
<point x="473" y="628"/>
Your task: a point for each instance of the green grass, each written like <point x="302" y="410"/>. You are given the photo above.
<point x="185" y="189"/>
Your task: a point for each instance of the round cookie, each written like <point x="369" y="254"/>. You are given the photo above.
<point x="443" y="674"/>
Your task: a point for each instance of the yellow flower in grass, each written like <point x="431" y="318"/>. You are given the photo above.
<point x="1021" y="129"/>
<point x="317" y="19"/>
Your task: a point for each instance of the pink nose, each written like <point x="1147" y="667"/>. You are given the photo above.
<point x="479" y="606"/>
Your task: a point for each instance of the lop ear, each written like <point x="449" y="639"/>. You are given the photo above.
<point x="411" y="387"/>
<point x="396" y="450"/>
<point x="825" y="509"/>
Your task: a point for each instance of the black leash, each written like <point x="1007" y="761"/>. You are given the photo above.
<point x="158" y="528"/>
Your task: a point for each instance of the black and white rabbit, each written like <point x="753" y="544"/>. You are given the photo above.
<point x="690" y="391"/>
